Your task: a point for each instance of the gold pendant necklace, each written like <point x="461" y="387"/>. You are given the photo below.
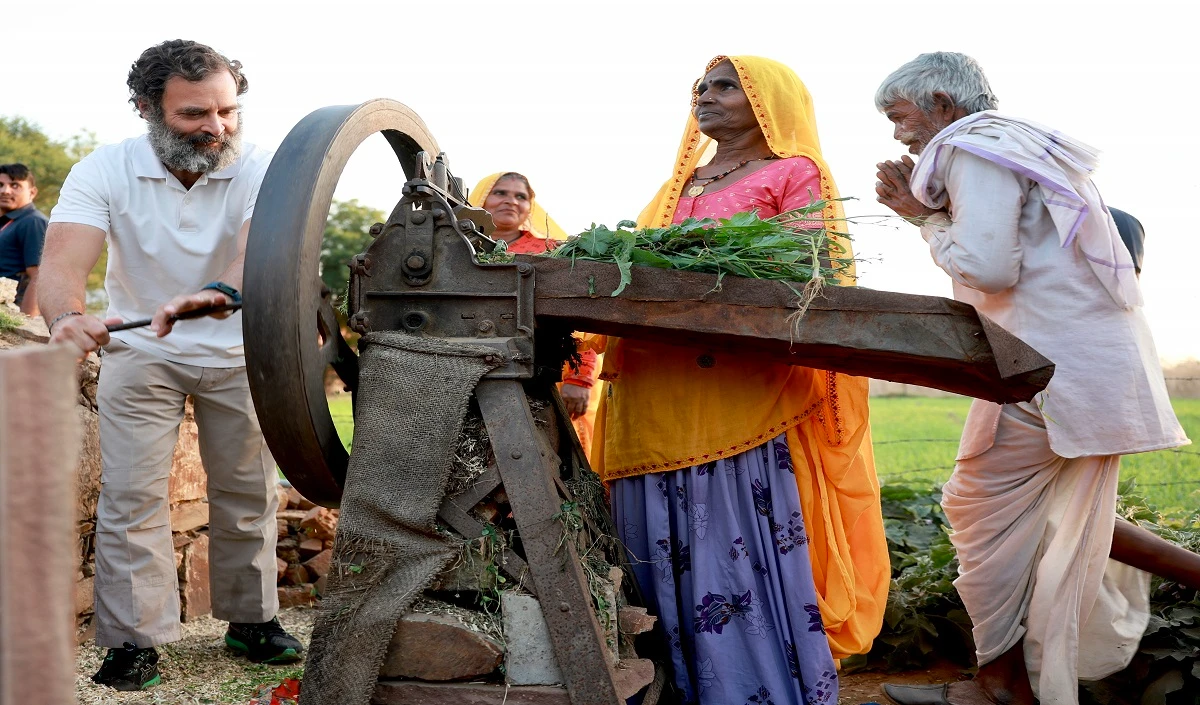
<point x="698" y="188"/>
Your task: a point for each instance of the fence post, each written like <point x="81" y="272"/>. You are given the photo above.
<point x="39" y="448"/>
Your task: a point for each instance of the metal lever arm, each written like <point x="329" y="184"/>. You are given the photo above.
<point x="194" y="313"/>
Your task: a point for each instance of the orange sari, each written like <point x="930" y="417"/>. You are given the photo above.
<point x="653" y="416"/>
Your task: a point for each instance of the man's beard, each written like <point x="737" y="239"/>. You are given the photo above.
<point x="178" y="151"/>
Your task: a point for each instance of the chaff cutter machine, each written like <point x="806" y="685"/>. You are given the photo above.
<point x="423" y="274"/>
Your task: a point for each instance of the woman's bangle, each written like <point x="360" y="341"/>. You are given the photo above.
<point x="61" y="316"/>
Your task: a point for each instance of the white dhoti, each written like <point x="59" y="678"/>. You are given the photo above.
<point x="1033" y="533"/>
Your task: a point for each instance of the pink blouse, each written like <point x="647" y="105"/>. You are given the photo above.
<point x="782" y="185"/>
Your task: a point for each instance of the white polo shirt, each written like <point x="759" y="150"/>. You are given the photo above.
<point x="165" y="240"/>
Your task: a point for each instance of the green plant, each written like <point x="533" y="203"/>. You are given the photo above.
<point x="484" y="555"/>
<point x="925" y="618"/>
<point x="924" y="615"/>
<point x="745" y="245"/>
<point x="1166" y="668"/>
<point x="500" y="255"/>
<point x="8" y="321"/>
<point x="572" y="522"/>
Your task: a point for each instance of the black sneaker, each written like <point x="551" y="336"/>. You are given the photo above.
<point x="264" y="643"/>
<point x="129" y="668"/>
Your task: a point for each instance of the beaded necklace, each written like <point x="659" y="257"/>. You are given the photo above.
<point x="698" y="187"/>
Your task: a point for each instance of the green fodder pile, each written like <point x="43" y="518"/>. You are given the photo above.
<point x="792" y="247"/>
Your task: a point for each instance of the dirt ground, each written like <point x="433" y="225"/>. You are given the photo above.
<point x="199" y="669"/>
<point x="867" y="687"/>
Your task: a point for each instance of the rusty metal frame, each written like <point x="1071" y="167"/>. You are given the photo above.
<point x="529" y="468"/>
<point x="925" y="340"/>
<point x="421" y="274"/>
<point x="455" y="512"/>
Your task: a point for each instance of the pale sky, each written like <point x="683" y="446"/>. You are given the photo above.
<point x="589" y="99"/>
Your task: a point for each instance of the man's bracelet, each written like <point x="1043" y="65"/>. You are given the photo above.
<point x="61" y="316"/>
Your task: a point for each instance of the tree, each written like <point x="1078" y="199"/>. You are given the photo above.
<point x="346" y="235"/>
<point x="50" y="160"/>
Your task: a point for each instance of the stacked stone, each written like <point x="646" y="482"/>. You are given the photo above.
<point x="305" y="548"/>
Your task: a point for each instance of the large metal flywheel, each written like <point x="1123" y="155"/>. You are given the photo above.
<point x="291" y="331"/>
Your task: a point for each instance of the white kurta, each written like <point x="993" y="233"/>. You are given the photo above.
<point x="1032" y="499"/>
<point x="1002" y="249"/>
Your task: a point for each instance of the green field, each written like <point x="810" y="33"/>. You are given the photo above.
<point x="916" y="438"/>
<point x="343" y="417"/>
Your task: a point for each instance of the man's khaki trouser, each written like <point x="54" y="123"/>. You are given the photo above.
<point x="141" y="403"/>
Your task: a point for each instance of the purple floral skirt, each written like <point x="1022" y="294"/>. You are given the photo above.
<point x="720" y="553"/>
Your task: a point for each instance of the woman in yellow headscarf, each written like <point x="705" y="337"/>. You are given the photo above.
<point x="526" y="228"/>
<point x="745" y="489"/>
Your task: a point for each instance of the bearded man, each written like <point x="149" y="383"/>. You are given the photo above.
<point x="1008" y="208"/>
<point x="175" y="207"/>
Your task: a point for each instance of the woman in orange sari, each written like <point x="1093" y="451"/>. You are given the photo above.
<point x="743" y="489"/>
<point x="526" y="228"/>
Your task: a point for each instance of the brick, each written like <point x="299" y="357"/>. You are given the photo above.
<point x="282" y="493"/>
<point x="89" y="378"/>
<point x="194" y="595"/>
<point x="318" y="565"/>
<point x="296" y="596"/>
<point x="298" y="501"/>
<point x="461" y="576"/>
<point x="288" y="550"/>
<point x="530" y="658"/>
<point x="439" y="647"/>
<point x="608" y="621"/>
<point x="280" y="568"/>
<point x="281" y="527"/>
<point x="84" y="595"/>
<point x="292" y="516"/>
<point x="85" y="629"/>
<point x="616" y="576"/>
<point x="34" y="330"/>
<point x="187" y="516"/>
<point x="321" y="585"/>
<point x="188" y="481"/>
<point x="635" y="620"/>
<point x="631" y="675"/>
<point x="295" y="574"/>
<point x="320" y="523"/>
<point x="310" y="548"/>
<point x="87" y="472"/>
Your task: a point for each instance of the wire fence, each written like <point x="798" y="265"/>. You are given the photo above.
<point x="910" y="472"/>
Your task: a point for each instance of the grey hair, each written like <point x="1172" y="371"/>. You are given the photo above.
<point x="954" y="74"/>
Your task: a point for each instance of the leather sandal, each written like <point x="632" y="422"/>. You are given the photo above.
<point x="937" y="694"/>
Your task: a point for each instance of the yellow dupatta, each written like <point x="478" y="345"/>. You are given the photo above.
<point x="662" y="411"/>
<point x="784" y="109"/>
<point x="539" y="223"/>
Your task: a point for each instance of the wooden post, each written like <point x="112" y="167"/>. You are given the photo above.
<point x="39" y="449"/>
